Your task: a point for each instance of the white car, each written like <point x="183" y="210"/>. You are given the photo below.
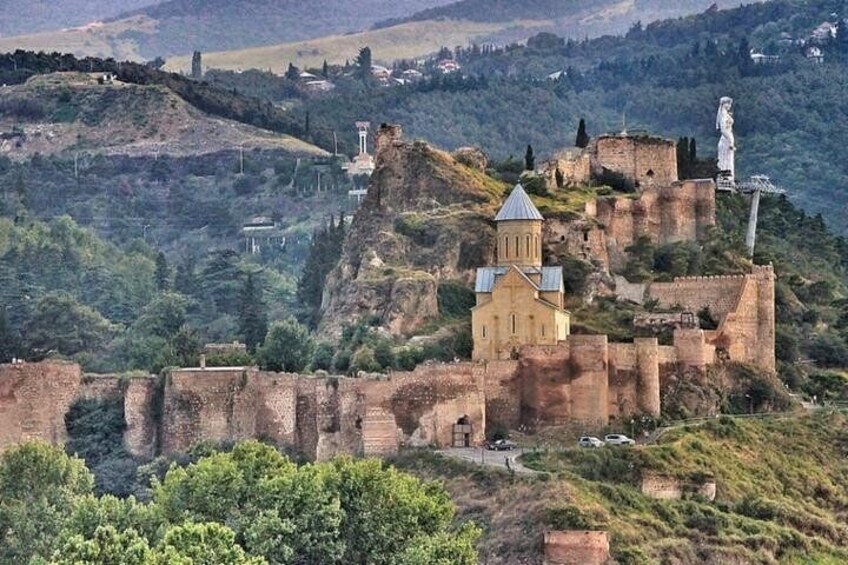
<point x="589" y="441"/>
<point x="618" y="439"/>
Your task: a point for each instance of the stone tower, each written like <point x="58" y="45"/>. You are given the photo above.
<point x="519" y="302"/>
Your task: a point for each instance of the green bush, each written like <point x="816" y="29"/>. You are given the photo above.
<point x="455" y="299"/>
<point x="569" y="517"/>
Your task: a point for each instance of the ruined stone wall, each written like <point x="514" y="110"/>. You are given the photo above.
<point x="744" y="306"/>
<point x="577" y="547"/>
<point x="642" y="159"/>
<point x="568" y="168"/>
<point x="682" y="211"/>
<point x="34" y="398"/>
<point x="426" y="403"/>
<point x="502" y="389"/>
<point x="583" y="239"/>
<point x="141" y="395"/>
<point x="323" y="417"/>
<point x="634" y="381"/>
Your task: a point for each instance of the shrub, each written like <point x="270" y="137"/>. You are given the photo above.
<point x="455" y="299"/>
<point x="568" y="517"/>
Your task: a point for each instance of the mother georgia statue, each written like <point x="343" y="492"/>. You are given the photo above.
<point x="727" y="143"/>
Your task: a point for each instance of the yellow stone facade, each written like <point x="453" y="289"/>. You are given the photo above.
<point x="519" y="302"/>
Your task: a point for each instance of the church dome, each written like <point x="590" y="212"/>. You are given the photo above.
<point x="518" y="207"/>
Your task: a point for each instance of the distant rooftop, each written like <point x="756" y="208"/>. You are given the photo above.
<point x="518" y="207"/>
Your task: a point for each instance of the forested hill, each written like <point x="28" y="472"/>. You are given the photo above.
<point x="667" y="78"/>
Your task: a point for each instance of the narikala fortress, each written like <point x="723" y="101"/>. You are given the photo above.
<point x="528" y="369"/>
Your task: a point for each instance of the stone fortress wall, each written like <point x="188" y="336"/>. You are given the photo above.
<point x="582" y="379"/>
<point x="664" y="209"/>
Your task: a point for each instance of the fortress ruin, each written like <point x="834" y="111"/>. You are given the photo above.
<point x="528" y="370"/>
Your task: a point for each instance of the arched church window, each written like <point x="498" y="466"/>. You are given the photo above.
<point x="527" y="241"/>
<point x="512" y="321"/>
<point x="506" y="248"/>
<point x="517" y="248"/>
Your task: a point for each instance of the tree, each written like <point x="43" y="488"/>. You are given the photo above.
<point x="253" y="322"/>
<point x="196" y="66"/>
<point x="163" y="273"/>
<point x="363" y="63"/>
<point x="8" y="338"/>
<point x="386" y="510"/>
<point x="529" y="159"/>
<point x="325" y="69"/>
<point x="203" y="544"/>
<point x="107" y="547"/>
<point x="292" y="73"/>
<point x="62" y="324"/>
<point x="38" y="484"/>
<point x="287" y="347"/>
<point x="582" y="139"/>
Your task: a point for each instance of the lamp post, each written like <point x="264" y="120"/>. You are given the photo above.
<point x="750" y="404"/>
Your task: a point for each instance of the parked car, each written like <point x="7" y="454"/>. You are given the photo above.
<point x="500" y="445"/>
<point x="618" y="439"/>
<point x="589" y="441"/>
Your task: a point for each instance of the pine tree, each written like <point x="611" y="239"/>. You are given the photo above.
<point x="582" y="139"/>
<point x="693" y="152"/>
<point x="163" y="274"/>
<point x="529" y="159"/>
<point x="325" y="69"/>
<point x="253" y="322"/>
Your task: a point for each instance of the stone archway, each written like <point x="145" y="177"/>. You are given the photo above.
<point x="462" y="432"/>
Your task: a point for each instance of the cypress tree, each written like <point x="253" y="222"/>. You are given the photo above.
<point x="582" y="139"/>
<point x="253" y="322"/>
<point x="529" y="159"/>
<point x="163" y="274"/>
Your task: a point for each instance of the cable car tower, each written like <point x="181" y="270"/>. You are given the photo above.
<point x="755" y="187"/>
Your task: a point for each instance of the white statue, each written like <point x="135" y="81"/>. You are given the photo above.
<point x="727" y="143"/>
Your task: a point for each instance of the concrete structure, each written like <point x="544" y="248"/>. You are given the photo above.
<point x="519" y="302"/>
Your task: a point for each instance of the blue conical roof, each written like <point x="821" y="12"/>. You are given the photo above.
<point x="518" y="207"/>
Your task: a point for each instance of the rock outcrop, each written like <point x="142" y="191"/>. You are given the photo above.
<point x="426" y="218"/>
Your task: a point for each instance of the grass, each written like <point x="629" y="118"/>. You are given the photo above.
<point x="405" y="41"/>
<point x="779" y="499"/>
<point x="96" y="41"/>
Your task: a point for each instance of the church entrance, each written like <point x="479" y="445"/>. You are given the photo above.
<point x="462" y="432"/>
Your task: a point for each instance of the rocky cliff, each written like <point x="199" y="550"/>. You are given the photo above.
<point x="427" y="218"/>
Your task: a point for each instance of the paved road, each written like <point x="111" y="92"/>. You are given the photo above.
<point x="495" y="459"/>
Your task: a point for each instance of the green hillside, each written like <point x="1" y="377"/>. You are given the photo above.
<point x="779" y="495"/>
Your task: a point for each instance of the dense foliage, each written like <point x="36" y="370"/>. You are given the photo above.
<point x="248" y="506"/>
